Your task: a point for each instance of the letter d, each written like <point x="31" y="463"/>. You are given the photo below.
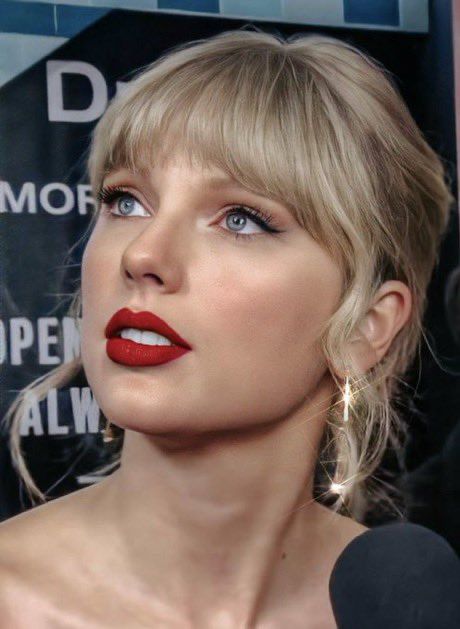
<point x="56" y="111"/>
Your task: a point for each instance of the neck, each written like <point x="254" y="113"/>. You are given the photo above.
<point x="218" y="525"/>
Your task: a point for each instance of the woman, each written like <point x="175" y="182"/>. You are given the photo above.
<point x="273" y="211"/>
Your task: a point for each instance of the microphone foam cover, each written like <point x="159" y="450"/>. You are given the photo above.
<point x="396" y="576"/>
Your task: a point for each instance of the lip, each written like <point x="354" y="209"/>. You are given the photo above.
<point x="144" y="320"/>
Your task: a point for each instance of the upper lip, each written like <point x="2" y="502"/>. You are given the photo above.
<point x="144" y="320"/>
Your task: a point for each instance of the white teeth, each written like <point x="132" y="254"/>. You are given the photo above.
<point x="146" y="337"/>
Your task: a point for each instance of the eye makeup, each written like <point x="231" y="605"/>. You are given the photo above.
<point x="109" y="195"/>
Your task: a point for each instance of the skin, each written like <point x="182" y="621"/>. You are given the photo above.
<point x="210" y="521"/>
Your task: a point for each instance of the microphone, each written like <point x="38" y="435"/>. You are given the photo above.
<point x="396" y="576"/>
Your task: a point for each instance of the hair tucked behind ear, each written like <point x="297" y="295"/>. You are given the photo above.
<point x="318" y="125"/>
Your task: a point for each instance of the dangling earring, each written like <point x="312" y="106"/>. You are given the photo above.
<point x="347" y="396"/>
<point x="346" y="399"/>
<point x="108" y="434"/>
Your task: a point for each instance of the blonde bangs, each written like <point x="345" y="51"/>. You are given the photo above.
<point x="233" y="112"/>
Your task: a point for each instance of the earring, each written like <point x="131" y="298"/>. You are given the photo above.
<point x="346" y="399"/>
<point x="108" y="434"/>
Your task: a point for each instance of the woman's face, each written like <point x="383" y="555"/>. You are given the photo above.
<point x="250" y="308"/>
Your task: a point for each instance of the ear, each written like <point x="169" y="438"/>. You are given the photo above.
<point x="387" y="314"/>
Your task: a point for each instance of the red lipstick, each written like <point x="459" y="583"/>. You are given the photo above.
<point x="128" y="352"/>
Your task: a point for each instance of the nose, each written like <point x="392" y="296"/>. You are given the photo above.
<point x="156" y="255"/>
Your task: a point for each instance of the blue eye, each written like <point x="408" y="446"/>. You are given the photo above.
<point x="125" y="201"/>
<point x="255" y="214"/>
<point x="126" y="205"/>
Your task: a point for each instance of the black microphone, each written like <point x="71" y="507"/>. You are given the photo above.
<point x="396" y="576"/>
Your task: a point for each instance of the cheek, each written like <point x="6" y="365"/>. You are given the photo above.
<point x="89" y="269"/>
<point x="285" y="303"/>
<point x="265" y="323"/>
<point x="89" y="281"/>
<point x="96" y="269"/>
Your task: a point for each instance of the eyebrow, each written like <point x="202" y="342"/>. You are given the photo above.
<point x="218" y="181"/>
<point x="214" y="181"/>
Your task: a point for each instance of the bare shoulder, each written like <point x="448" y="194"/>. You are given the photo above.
<point x="342" y="529"/>
<point x="21" y="607"/>
<point x="334" y="533"/>
<point x="38" y="549"/>
<point x="39" y="530"/>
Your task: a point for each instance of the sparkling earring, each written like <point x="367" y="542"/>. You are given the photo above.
<point x="108" y="434"/>
<point x="346" y="399"/>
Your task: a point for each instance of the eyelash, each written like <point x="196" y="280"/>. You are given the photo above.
<point x="108" y="195"/>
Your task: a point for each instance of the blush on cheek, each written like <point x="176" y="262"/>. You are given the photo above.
<point x="267" y="313"/>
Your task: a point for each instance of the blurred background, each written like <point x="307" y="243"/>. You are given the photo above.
<point x="60" y="64"/>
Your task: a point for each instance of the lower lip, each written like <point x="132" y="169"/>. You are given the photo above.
<point x="127" y="352"/>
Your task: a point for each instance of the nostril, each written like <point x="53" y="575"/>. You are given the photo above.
<point x="154" y="276"/>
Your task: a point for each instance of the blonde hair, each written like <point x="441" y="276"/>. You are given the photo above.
<point x="312" y="122"/>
